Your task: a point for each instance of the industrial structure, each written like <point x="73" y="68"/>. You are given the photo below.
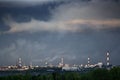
<point x="108" y="58"/>
<point x="88" y="62"/>
<point x="19" y="65"/>
<point x="19" y="62"/>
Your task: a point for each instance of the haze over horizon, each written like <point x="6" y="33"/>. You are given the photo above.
<point x="46" y="30"/>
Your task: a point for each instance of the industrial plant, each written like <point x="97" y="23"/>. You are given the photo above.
<point x="62" y="66"/>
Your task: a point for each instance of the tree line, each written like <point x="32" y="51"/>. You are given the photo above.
<point x="97" y="74"/>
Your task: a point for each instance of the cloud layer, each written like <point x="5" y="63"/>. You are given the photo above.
<point x="71" y="17"/>
<point x="70" y="26"/>
<point x="93" y="28"/>
<point x="24" y="3"/>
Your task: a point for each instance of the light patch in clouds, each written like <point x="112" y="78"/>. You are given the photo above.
<point x="71" y="26"/>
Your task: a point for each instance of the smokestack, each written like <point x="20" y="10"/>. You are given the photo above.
<point x="108" y="58"/>
<point x="20" y="62"/>
<point x="88" y="61"/>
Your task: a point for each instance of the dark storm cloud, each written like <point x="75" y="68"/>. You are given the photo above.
<point x="23" y="3"/>
<point x="93" y="14"/>
<point x="40" y="12"/>
<point x="74" y="29"/>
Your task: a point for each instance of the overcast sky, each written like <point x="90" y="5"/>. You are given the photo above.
<point x="46" y="30"/>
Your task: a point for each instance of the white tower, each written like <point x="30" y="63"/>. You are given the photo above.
<point x="108" y="59"/>
<point x="88" y="61"/>
<point x="20" y="62"/>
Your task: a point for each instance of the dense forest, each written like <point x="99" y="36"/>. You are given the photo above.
<point x="97" y="74"/>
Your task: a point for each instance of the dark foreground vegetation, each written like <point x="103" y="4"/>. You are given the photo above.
<point x="97" y="74"/>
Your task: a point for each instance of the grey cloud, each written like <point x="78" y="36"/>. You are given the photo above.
<point x="23" y="3"/>
<point x="29" y="3"/>
<point x="70" y="17"/>
<point x="86" y="10"/>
